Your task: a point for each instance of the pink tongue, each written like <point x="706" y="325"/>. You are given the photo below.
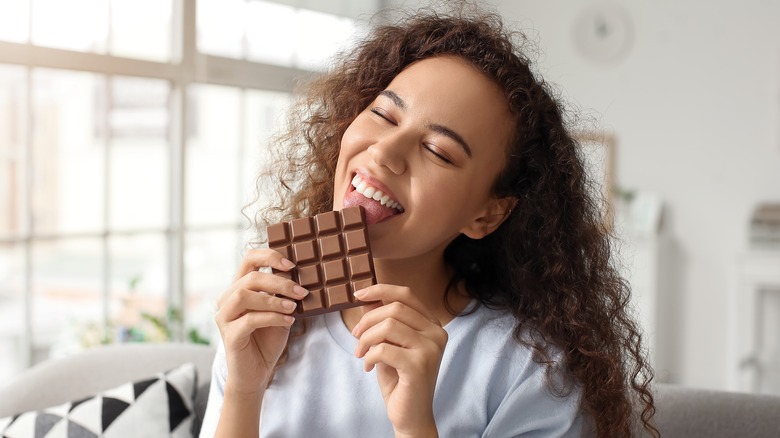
<point x="375" y="212"/>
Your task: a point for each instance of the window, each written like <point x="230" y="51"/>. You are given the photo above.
<point x="130" y="134"/>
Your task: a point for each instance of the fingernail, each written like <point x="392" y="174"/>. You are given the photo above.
<point x="354" y="330"/>
<point x="289" y="319"/>
<point x="287" y="264"/>
<point x="289" y="305"/>
<point x="300" y="291"/>
<point x="360" y="293"/>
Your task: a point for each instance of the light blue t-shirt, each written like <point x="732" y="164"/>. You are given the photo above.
<point x="488" y="386"/>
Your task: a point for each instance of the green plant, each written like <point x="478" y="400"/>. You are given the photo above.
<point x="137" y="325"/>
<point x="625" y="195"/>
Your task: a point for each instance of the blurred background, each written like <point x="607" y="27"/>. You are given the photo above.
<point x="131" y="131"/>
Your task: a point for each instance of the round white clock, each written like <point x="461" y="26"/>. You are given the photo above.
<point x="603" y="33"/>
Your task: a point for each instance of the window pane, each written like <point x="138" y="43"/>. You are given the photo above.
<point x="139" y="154"/>
<point x="271" y="32"/>
<point x="264" y="115"/>
<point x="68" y="153"/>
<point x="319" y="37"/>
<point x="74" y="24"/>
<point x="211" y="260"/>
<point x="139" y="284"/>
<point x="14" y="20"/>
<point x="212" y="168"/>
<point x="141" y="29"/>
<point x="12" y="146"/>
<point x="67" y="296"/>
<point x="346" y="8"/>
<point x="220" y="27"/>
<point x="11" y="310"/>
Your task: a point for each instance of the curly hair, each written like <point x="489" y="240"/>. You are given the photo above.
<point x="549" y="263"/>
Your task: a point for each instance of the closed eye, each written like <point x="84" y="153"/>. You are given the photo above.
<point x="432" y="149"/>
<point x="381" y="113"/>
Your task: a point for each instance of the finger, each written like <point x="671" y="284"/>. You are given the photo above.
<point x="393" y="332"/>
<point x="255" y="259"/>
<point x="391" y="355"/>
<point x="273" y="284"/>
<point x="236" y="333"/>
<point x="264" y="282"/>
<point x="395" y="310"/>
<point x="388" y="293"/>
<point x="244" y="300"/>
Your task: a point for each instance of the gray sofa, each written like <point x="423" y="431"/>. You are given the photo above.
<point x="681" y="412"/>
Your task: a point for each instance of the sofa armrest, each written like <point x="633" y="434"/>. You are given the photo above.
<point x="60" y="380"/>
<point x="692" y="413"/>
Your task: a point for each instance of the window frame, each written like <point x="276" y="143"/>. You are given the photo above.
<point x="187" y="67"/>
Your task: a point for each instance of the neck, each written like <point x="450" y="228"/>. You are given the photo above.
<point x="426" y="276"/>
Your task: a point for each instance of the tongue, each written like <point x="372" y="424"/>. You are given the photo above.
<point x="375" y="211"/>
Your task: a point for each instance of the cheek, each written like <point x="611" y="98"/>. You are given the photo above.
<point x="444" y="200"/>
<point x="453" y="200"/>
<point x="350" y="145"/>
<point x="357" y="136"/>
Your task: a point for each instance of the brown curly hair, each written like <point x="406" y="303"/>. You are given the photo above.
<point x="549" y="263"/>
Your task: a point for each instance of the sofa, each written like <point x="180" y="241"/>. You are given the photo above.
<point x="93" y="371"/>
<point x="681" y="412"/>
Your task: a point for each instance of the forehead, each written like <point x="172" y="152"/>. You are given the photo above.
<point x="450" y="91"/>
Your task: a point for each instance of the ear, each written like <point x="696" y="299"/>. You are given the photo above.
<point x="496" y="211"/>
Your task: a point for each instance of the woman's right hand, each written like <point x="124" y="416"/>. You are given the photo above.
<point x="254" y="322"/>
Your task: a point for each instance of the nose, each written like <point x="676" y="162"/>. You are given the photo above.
<point x="391" y="152"/>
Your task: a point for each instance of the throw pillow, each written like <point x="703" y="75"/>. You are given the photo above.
<point x="161" y="406"/>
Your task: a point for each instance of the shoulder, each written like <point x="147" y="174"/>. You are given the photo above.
<point x="500" y="328"/>
<point x="488" y="330"/>
<point x="493" y="363"/>
<point x="488" y="342"/>
<point x="510" y="354"/>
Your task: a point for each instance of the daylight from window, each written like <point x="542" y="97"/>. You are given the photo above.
<point x="131" y="132"/>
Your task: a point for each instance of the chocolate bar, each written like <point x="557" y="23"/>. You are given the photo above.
<point x="332" y="255"/>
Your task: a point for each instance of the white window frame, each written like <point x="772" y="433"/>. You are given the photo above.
<point x="187" y="67"/>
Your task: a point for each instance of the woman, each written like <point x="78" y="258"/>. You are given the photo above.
<point x="499" y="313"/>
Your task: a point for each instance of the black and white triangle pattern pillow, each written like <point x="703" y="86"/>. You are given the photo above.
<point x="162" y="406"/>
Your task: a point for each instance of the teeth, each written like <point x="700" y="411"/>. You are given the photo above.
<point x="373" y="193"/>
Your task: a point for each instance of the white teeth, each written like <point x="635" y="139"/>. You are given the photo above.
<point x="373" y="193"/>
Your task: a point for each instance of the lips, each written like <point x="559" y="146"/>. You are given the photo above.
<point x="377" y="201"/>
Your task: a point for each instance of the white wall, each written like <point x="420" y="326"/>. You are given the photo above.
<point x="694" y="107"/>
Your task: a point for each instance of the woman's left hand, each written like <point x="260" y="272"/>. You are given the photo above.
<point x="406" y="343"/>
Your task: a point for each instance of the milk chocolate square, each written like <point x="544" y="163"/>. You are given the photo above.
<point x="332" y="255"/>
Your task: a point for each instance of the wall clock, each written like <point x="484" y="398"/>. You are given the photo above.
<point x="603" y="33"/>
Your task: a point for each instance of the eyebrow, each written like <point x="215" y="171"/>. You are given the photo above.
<point x="440" y="129"/>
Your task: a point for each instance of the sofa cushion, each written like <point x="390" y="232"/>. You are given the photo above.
<point x="55" y="381"/>
<point x="161" y="405"/>
<point x="693" y="413"/>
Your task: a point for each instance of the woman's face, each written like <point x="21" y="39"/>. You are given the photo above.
<point x="433" y="142"/>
